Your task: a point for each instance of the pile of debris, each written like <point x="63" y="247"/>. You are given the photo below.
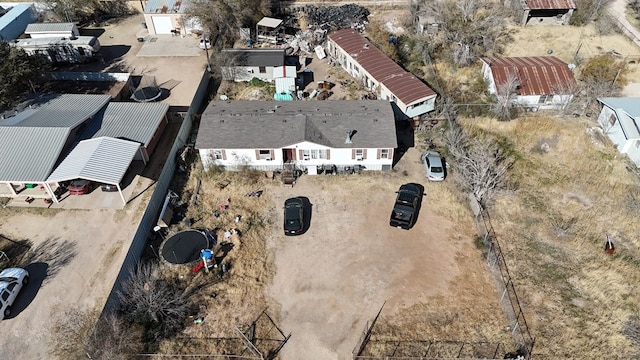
<point x="331" y="17"/>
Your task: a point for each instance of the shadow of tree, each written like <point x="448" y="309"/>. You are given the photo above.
<point x="53" y="252"/>
<point x="13" y="251"/>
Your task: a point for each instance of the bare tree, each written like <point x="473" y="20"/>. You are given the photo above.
<point x="569" y="93"/>
<point x="223" y="18"/>
<point x="77" y="334"/>
<point x="479" y="165"/>
<point x="468" y="28"/>
<point x="150" y="300"/>
<point x="506" y="93"/>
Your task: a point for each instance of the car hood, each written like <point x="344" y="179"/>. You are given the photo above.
<point x="13" y="272"/>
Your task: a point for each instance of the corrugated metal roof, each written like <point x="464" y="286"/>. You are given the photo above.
<point x="103" y="160"/>
<point x="30" y="153"/>
<point x="550" y="4"/>
<point x="285" y="84"/>
<point x="49" y="27"/>
<point x="404" y="85"/>
<point x="269" y="125"/>
<point x="172" y="6"/>
<point x="537" y="75"/>
<point x="256" y="57"/>
<point x="65" y="110"/>
<point x="132" y="121"/>
<point x="13" y="14"/>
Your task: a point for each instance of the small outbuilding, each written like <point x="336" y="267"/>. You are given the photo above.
<point x="546" y="12"/>
<point x="246" y="64"/>
<point x="50" y="29"/>
<point x="270" y="30"/>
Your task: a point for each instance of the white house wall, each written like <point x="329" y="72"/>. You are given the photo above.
<point x="233" y="159"/>
<point x="615" y="133"/>
<point x="246" y="73"/>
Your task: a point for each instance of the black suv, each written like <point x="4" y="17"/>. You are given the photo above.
<point x="407" y="205"/>
<point x="293" y="216"/>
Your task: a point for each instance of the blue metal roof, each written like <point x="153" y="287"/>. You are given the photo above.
<point x="630" y="105"/>
<point x="15" y="21"/>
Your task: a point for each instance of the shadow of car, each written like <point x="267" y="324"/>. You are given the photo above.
<point x="79" y="187"/>
<point x="293" y="216"/>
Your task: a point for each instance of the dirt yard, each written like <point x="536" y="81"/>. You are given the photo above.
<point x="333" y="279"/>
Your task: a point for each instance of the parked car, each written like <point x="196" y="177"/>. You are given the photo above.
<point x="433" y="165"/>
<point x="108" y="187"/>
<point x="293" y="216"/>
<point x="407" y="205"/>
<point x="79" y="187"/>
<point x="12" y="280"/>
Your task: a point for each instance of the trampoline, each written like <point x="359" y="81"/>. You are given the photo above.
<point x="184" y="247"/>
<point x="147" y="90"/>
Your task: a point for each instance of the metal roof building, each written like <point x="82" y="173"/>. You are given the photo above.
<point x="536" y="75"/>
<point x="348" y="46"/>
<point x="15" y="21"/>
<point x="65" y="110"/>
<point x="30" y="153"/>
<point x="50" y="29"/>
<point x="256" y="57"/>
<point x="103" y="160"/>
<point x="131" y="121"/>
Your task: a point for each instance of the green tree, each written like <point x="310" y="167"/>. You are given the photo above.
<point x="83" y="11"/>
<point x="19" y="73"/>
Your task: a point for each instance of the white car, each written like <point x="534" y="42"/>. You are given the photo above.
<point x="433" y="166"/>
<point x="12" y="280"/>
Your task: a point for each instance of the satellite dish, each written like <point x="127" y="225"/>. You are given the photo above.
<point x="549" y="51"/>
<point x="224" y="97"/>
<point x="571" y="66"/>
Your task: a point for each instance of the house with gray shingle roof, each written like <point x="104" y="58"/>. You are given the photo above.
<point x="410" y="96"/>
<point x="542" y="82"/>
<point x="620" y="121"/>
<point x="267" y="135"/>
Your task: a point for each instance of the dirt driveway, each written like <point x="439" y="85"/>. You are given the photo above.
<point x="76" y="256"/>
<point x="334" y="278"/>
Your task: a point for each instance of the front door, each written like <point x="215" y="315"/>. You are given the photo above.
<point x="289" y="155"/>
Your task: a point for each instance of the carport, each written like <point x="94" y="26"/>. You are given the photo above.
<point x="102" y="160"/>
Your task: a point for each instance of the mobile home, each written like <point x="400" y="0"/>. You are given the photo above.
<point x="61" y="49"/>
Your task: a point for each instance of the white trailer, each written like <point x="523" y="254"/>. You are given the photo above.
<point x="61" y="49"/>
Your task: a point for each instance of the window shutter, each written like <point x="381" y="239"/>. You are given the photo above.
<point x="353" y="153"/>
<point x="301" y="155"/>
<point x="272" y="154"/>
<point x="379" y="151"/>
<point x="364" y="154"/>
<point x="224" y="155"/>
<point x="328" y="154"/>
<point x="257" y="154"/>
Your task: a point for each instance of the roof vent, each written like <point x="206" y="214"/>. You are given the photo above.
<point x="284" y="120"/>
<point x="375" y="120"/>
<point x="365" y="46"/>
<point x="350" y="134"/>
<point x="221" y="121"/>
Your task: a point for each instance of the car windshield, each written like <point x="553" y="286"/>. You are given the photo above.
<point x="7" y="279"/>
<point x="436" y="169"/>
<point x="78" y="182"/>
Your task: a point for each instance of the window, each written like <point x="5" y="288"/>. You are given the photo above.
<point x="637" y="144"/>
<point x="5" y="295"/>
<point x="545" y="99"/>
<point x="314" y="154"/>
<point x="263" y="69"/>
<point x="359" y="154"/>
<point x="612" y="119"/>
<point x="264" y="154"/>
<point x="217" y="154"/>
<point x="384" y="153"/>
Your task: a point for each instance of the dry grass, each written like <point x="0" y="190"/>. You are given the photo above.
<point x="240" y="297"/>
<point x="553" y="224"/>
